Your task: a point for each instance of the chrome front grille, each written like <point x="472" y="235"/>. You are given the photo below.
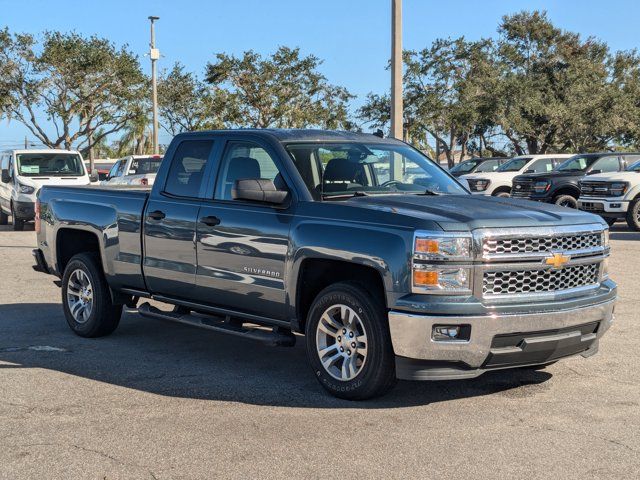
<point x="544" y="262"/>
<point x="513" y="282"/>
<point x="525" y="245"/>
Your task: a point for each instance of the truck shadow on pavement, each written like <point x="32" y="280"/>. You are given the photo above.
<point x="620" y="231"/>
<point x="180" y="361"/>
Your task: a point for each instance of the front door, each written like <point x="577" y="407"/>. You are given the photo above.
<point x="170" y="222"/>
<point x="242" y="246"/>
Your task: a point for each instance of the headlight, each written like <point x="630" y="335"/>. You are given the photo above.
<point x="445" y="247"/>
<point x="618" y="189"/>
<point x="541" y="187"/>
<point x="479" y="185"/>
<point x="26" y="189"/>
<point x="441" y="278"/>
<point x="437" y="274"/>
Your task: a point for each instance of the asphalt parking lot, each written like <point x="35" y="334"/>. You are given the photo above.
<point x="160" y="400"/>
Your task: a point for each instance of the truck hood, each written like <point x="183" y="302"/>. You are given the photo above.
<point x="493" y="176"/>
<point x="631" y="177"/>
<point x="469" y="212"/>
<point x="549" y="175"/>
<point x="39" y="182"/>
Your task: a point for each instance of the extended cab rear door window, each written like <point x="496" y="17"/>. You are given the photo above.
<point x="186" y="173"/>
<point x="607" y="164"/>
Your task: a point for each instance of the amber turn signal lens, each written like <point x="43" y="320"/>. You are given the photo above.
<point x="427" y="245"/>
<point x="425" y="277"/>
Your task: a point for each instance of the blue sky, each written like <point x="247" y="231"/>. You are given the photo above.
<point x="351" y="36"/>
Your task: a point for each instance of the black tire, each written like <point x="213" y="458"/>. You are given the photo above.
<point x="18" y="225"/>
<point x="377" y="372"/>
<point x="566" y="201"/>
<point x="502" y="193"/>
<point x="4" y="218"/>
<point x="104" y="316"/>
<point x="633" y="215"/>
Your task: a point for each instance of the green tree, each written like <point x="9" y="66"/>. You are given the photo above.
<point x="188" y="104"/>
<point x="285" y="90"/>
<point x="80" y="88"/>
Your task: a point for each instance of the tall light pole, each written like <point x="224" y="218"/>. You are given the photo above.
<point x="396" y="69"/>
<point x="154" y="54"/>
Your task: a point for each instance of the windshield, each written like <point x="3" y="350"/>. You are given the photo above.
<point x="488" y="166"/>
<point x="464" y="167"/>
<point x="346" y="169"/>
<point x="514" y="165"/>
<point x="142" y="166"/>
<point x="577" y="164"/>
<point x="49" y="165"/>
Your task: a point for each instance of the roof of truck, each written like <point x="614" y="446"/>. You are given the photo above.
<point x="309" y="135"/>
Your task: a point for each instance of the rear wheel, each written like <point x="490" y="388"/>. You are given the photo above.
<point x="18" y="225"/>
<point x="348" y="343"/>
<point x="4" y="218"/>
<point x="633" y="215"/>
<point x="86" y="298"/>
<point x="566" y="201"/>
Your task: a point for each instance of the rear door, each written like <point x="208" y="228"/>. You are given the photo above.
<point x="242" y="246"/>
<point x="170" y="219"/>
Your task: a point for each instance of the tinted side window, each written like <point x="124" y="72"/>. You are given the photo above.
<point x="488" y="166"/>
<point x="114" y="170"/>
<point x="543" y="165"/>
<point x="607" y="164"/>
<point x="187" y="168"/>
<point x="244" y="160"/>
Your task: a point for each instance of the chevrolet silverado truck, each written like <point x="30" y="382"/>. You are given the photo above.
<point x="613" y="196"/>
<point x="382" y="260"/>
<point x="561" y="186"/>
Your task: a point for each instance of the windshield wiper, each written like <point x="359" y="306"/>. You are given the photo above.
<point x="357" y="193"/>
<point x="428" y="191"/>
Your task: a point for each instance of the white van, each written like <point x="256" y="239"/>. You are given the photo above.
<point x="498" y="183"/>
<point x="25" y="171"/>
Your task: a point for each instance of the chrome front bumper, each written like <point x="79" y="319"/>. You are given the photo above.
<point x="419" y="357"/>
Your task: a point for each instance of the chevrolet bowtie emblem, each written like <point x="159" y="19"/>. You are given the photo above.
<point x="558" y="260"/>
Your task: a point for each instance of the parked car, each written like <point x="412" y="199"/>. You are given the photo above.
<point x="561" y="186"/>
<point x="24" y="172"/>
<point x="477" y="165"/>
<point x="102" y="168"/>
<point x="499" y="183"/>
<point x="134" y="170"/>
<point x="613" y="196"/>
<point x="400" y="276"/>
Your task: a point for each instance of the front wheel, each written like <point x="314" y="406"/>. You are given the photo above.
<point x="503" y="194"/>
<point x="566" y="201"/>
<point x="86" y="298"/>
<point x="18" y="225"/>
<point x="348" y="343"/>
<point x="633" y="215"/>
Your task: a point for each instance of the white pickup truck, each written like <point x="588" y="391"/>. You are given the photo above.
<point x="613" y="196"/>
<point x="134" y="170"/>
<point x="498" y="183"/>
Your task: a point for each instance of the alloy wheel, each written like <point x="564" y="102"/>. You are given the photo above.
<point x="80" y="296"/>
<point x="341" y="342"/>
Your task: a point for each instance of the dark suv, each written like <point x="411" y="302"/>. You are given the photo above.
<point x="560" y="186"/>
<point x="477" y="165"/>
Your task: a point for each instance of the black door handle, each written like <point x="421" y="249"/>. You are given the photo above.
<point x="157" y="215"/>
<point x="211" y="221"/>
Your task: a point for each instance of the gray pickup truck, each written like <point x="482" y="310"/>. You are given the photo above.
<point x="386" y="264"/>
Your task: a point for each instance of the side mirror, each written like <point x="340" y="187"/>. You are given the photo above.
<point x="531" y="170"/>
<point x="5" y="176"/>
<point x="594" y="172"/>
<point x="94" y="177"/>
<point x="258" y="190"/>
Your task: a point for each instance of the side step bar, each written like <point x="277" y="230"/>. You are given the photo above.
<point x="274" y="338"/>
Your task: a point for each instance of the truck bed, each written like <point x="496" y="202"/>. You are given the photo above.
<point x="115" y="216"/>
